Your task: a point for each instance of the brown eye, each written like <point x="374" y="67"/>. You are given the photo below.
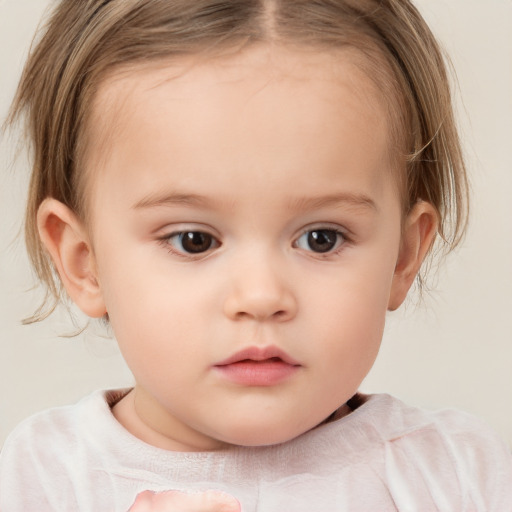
<point x="320" y="240"/>
<point x="192" y="242"/>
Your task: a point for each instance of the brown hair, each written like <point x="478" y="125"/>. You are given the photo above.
<point x="84" y="40"/>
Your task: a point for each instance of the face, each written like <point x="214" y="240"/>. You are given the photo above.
<point x="245" y="225"/>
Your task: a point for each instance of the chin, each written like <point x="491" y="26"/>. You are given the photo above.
<point x="262" y="435"/>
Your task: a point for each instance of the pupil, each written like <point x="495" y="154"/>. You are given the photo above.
<point x="322" y="241"/>
<point x="195" y="242"/>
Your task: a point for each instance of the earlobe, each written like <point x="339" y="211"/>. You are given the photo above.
<point x="419" y="231"/>
<point x="66" y="240"/>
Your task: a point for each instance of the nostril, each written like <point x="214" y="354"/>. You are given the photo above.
<point x="261" y="301"/>
<point x="277" y="315"/>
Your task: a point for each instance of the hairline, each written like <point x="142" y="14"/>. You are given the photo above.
<point x="111" y="125"/>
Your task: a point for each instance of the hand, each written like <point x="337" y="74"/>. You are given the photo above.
<point x="177" y="501"/>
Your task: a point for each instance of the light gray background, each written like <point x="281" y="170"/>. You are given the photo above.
<point x="454" y="350"/>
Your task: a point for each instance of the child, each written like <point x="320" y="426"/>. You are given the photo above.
<point x="243" y="189"/>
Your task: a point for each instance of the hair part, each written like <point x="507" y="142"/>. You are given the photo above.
<point x="84" y="41"/>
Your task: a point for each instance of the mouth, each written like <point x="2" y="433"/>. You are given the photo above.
<point x="255" y="366"/>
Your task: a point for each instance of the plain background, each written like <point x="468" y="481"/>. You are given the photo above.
<point x="453" y="350"/>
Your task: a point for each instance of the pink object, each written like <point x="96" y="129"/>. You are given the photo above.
<point x="258" y="366"/>
<point x="178" y="501"/>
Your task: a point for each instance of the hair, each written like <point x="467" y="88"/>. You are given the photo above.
<point x="83" y="41"/>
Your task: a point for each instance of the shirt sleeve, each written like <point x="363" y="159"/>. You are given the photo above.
<point x="32" y="473"/>
<point x="456" y="462"/>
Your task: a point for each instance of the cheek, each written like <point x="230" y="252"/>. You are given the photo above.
<point x="350" y="313"/>
<point x="156" y="315"/>
<point x="358" y="293"/>
<point x="353" y="330"/>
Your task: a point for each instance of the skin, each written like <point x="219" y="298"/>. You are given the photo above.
<point x="176" y="501"/>
<point x="257" y="151"/>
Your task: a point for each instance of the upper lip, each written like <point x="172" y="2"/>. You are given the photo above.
<point x="259" y="354"/>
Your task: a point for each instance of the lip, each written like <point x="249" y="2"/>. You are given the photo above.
<point x="259" y="354"/>
<point x="258" y="366"/>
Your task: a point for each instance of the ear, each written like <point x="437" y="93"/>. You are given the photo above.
<point x="66" y="239"/>
<point x="420" y="228"/>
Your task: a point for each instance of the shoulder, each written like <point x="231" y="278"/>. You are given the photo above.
<point x="49" y="447"/>
<point x="461" y="434"/>
<point x="382" y="420"/>
<point x="48" y="429"/>
<point x="448" y="451"/>
<point x="397" y="420"/>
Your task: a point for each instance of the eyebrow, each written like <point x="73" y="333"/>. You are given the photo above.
<point x="358" y="201"/>
<point x="172" y="199"/>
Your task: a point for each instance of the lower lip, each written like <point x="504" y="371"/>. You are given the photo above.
<point x="257" y="373"/>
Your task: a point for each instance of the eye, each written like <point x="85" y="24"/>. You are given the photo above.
<point x="320" y="240"/>
<point x="192" y="242"/>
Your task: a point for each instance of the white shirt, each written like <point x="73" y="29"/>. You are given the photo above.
<point x="384" y="456"/>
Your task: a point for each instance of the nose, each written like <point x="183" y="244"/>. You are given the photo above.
<point x="260" y="291"/>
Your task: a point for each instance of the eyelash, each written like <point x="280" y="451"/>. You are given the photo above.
<point x="341" y="240"/>
<point x="166" y="241"/>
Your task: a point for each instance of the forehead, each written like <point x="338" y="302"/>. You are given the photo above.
<point x="260" y="102"/>
<point x="196" y="82"/>
<point x="259" y="65"/>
